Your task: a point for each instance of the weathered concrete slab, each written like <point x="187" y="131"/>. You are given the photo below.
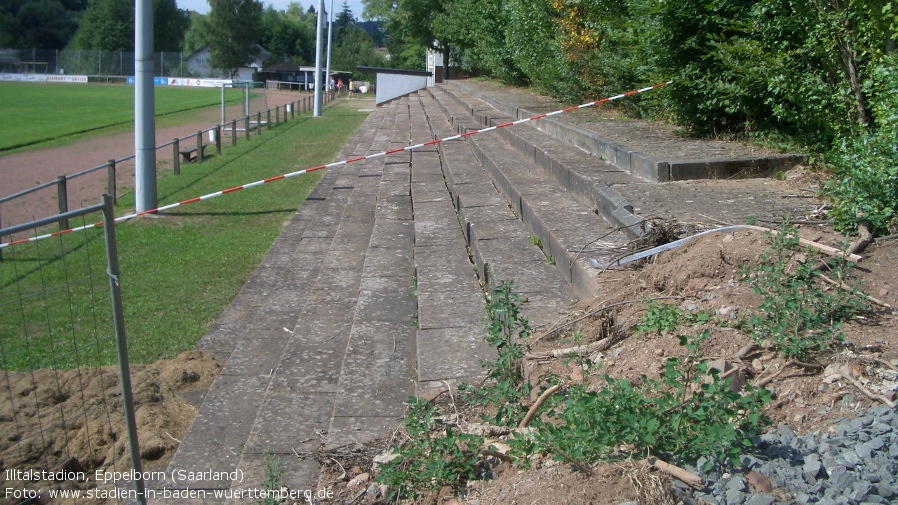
<point x="452" y="354"/>
<point x="391" y="261"/>
<point x="433" y="191"/>
<point x="356" y="431"/>
<point x="397" y="306"/>
<point x="288" y="421"/>
<point x="436" y="223"/>
<point x="439" y="307"/>
<point x="393" y="233"/>
<point x="394" y="207"/>
<point x="378" y="372"/>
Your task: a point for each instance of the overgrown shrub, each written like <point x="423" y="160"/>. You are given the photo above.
<point x="865" y="184"/>
<point x="798" y="315"/>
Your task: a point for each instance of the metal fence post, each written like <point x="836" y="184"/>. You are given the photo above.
<point x="199" y="147"/>
<point x="277" y="115"/>
<point x="62" y="197"/>
<point x="268" y="118"/>
<point x="246" y="123"/>
<point x="110" y="186"/>
<point x="292" y="110"/>
<point x="259" y="122"/>
<point x="121" y="341"/>
<point x="233" y="133"/>
<point x="176" y="155"/>
<point x="218" y="140"/>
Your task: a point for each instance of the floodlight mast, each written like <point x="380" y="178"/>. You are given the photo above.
<point x="316" y="112"/>
<point x="144" y="109"/>
<point x="330" y="38"/>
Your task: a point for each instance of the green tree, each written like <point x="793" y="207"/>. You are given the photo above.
<point x="45" y="24"/>
<point x="169" y="25"/>
<point x="197" y="35"/>
<point x="234" y="32"/>
<point x="413" y="24"/>
<point x="107" y="25"/>
<point x="286" y="36"/>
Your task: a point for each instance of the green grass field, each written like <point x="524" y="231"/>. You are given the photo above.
<point x="179" y="271"/>
<point x="48" y="112"/>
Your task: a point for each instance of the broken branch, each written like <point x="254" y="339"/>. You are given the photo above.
<point x="537" y="404"/>
<point x="689" y="478"/>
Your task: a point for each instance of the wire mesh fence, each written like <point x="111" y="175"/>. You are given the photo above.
<point x="88" y="62"/>
<point x="65" y="395"/>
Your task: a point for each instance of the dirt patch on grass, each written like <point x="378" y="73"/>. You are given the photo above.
<point x="73" y="420"/>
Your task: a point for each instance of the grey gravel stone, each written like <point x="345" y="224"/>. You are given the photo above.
<point x="761" y="499"/>
<point x="856" y="463"/>
<point x="734" y="496"/>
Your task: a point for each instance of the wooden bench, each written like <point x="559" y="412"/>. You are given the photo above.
<point x="189" y="153"/>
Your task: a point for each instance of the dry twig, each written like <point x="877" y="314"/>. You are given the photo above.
<point x="869" y="394"/>
<point x="537" y="404"/>
<point x="759" y="383"/>
<point x="689" y="478"/>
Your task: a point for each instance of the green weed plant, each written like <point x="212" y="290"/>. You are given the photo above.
<point x="798" y="315"/>
<point x="434" y="455"/>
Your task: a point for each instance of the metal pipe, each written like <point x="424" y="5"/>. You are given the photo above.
<point x="121" y="341"/>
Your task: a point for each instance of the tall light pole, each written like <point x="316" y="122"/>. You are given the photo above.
<point x="330" y="38"/>
<point x="316" y="111"/>
<point x="144" y="109"/>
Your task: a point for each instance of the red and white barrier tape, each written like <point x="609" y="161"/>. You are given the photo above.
<point x="333" y="165"/>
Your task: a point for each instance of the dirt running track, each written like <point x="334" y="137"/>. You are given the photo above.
<point x="25" y="170"/>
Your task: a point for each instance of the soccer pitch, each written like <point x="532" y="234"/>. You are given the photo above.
<point x="39" y="114"/>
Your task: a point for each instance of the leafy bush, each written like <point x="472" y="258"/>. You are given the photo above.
<point x="667" y="318"/>
<point x="865" y="185"/>
<point x="689" y="412"/>
<point x="797" y="315"/>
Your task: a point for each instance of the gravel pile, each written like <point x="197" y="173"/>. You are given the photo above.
<point x="855" y="464"/>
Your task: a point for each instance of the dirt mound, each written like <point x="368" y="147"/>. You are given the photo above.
<point x="73" y="420"/>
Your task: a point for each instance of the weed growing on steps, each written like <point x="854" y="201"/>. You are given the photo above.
<point x="434" y="454"/>
<point x="798" y="315"/>
<point x="509" y="333"/>
<point x="274" y="471"/>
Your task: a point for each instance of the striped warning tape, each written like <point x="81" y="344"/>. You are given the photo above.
<point x="333" y="165"/>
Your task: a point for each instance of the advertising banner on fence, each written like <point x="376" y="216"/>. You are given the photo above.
<point x="204" y="83"/>
<point x="157" y="81"/>
<point x="67" y="78"/>
<point x="43" y="78"/>
<point x="184" y="81"/>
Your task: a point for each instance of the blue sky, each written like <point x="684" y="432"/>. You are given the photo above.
<point x="202" y="6"/>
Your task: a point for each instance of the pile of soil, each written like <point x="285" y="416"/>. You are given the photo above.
<point x="72" y="421"/>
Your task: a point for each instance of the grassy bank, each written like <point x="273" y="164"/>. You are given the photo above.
<point x="179" y="271"/>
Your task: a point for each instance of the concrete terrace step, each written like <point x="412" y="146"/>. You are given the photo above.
<point x="587" y="178"/>
<point x="499" y="243"/>
<point x="643" y="151"/>
<point x="655" y="159"/>
<point x="569" y="230"/>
